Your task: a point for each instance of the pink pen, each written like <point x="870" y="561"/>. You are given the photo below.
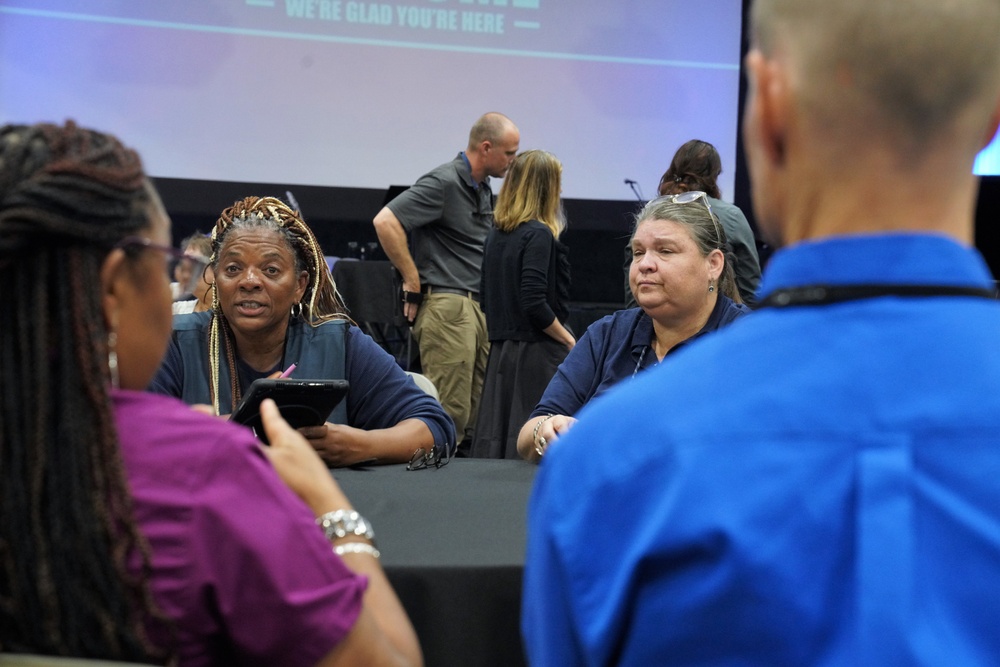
<point x="288" y="371"/>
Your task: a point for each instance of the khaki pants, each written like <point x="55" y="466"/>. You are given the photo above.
<point x="451" y="333"/>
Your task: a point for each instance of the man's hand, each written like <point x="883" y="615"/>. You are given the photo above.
<point x="411" y="306"/>
<point x="392" y="238"/>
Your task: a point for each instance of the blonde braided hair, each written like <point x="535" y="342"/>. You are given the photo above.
<point x="321" y="301"/>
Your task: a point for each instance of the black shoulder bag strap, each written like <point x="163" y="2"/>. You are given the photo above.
<point x="819" y="295"/>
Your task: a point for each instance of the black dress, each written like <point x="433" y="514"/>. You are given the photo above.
<point x="525" y="286"/>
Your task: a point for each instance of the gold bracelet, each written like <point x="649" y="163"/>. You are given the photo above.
<point x="356" y="548"/>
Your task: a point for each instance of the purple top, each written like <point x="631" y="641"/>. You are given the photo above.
<point x="238" y="563"/>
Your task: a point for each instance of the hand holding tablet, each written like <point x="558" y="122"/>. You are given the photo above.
<point x="301" y="402"/>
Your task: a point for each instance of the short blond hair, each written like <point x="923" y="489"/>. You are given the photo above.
<point x="489" y="127"/>
<point x="903" y="70"/>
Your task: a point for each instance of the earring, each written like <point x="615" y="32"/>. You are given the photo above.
<point x="209" y="296"/>
<point x="113" y="358"/>
<point x="296" y="310"/>
<point x="711" y="288"/>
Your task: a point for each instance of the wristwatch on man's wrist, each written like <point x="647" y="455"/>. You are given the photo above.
<point x="344" y="523"/>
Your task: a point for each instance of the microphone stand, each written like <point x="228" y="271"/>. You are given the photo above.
<point x="635" y="190"/>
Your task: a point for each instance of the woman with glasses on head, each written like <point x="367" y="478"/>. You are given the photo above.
<point x="696" y="167"/>
<point x="525" y="294"/>
<point x="683" y="282"/>
<point x="274" y="304"/>
<point x="133" y="528"/>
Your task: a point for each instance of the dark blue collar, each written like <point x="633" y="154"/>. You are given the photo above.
<point x="643" y="334"/>
<point x="469" y="167"/>
<point x="470" y="179"/>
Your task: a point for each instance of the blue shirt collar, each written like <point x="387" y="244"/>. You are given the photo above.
<point x="891" y="258"/>
<point x="468" y="173"/>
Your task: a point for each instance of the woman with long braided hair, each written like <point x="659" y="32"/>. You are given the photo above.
<point x="274" y="303"/>
<point x="123" y="531"/>
<point x="67" y="529"/>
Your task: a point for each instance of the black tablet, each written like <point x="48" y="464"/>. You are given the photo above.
<point x="301" y="402"/>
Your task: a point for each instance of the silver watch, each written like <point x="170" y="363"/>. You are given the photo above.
<point x="341" y="523"/>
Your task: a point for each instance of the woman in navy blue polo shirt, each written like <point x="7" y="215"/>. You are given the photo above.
<point x="682" y="278"/>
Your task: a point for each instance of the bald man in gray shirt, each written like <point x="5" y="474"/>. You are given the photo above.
<point x="448" y="213"/>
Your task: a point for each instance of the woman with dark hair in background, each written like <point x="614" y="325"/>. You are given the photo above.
<point x="132" y="527"/>
<point x="525" y="293"/>
<point x="696" y="166"/>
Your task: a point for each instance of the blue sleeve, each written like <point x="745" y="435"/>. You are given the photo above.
<point x="576" y="380"/>
<point x="169" y="378"/>
<point x="536" y="251"/>
<point x="382" y="394"/>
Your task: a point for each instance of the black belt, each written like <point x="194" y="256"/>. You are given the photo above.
<point x="432" y="289"/>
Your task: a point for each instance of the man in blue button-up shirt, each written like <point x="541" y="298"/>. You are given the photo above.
<point x="818" y="484"/>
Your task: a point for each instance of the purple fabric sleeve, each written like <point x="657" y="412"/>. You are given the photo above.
<point x="238" y="563"/>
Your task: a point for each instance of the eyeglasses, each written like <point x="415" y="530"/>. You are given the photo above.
<point x="693" y="196"/>
<point x="197" y="263"/>
<point x="437" y="457"/>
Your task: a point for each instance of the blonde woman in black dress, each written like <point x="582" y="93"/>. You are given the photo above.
<point x="524" y="294"/>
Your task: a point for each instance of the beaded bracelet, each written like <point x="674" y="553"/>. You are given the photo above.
<point x="341" y="523"/>
<point x="356" y="548"/>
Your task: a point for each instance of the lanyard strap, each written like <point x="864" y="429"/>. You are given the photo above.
<point x="819" y="295"/>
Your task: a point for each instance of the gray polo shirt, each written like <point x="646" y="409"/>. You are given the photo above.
<point x="448" y="217"/>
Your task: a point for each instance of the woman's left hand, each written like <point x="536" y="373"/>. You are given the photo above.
<point x="338" y="445"/>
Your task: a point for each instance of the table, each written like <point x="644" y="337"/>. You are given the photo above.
<point x="452" y="542"/>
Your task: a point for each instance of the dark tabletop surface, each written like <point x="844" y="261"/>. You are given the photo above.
<point x="471" y="511"/>
<point x="452" y="542"/>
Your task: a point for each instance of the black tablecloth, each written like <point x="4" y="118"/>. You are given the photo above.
<point x="452" y="542"/>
